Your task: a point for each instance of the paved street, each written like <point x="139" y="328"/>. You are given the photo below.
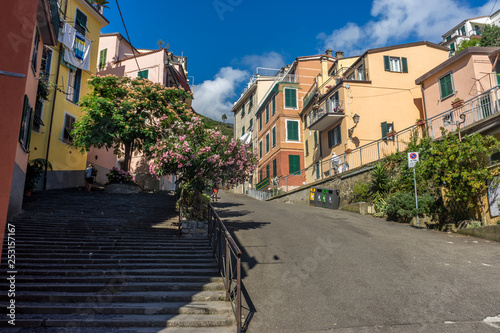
<point x="309" y="269"/>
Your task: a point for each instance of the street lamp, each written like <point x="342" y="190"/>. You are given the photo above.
<point x="355" y="119"/>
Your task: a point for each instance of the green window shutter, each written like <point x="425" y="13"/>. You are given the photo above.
<point x="260" y="175"/>
<point x="243" y="131"/>
<point x="267" y="113"/>
<point x="387" y="64"/>
<point x="274" y="136"/>
<point x="267" y="171"/>
<point x="463" y="30"/>
<point x="446" y="86"/>
<point x="267" y="143"/>
<point x="290" y="98"/>
<point x="243" y="110"/>
<point x="251" y="123"/>
<point x="452" y="47"/>
<point x="293" y="164"/>
<point x="81" y="22"/>
<point x="317" y="170"/>
<point x="78" y="79"/>
<point x="330" y="141"/>
<point x="251" y="146"/>
<point x="404" y="62"/>
<point x="143" y="74"/>
<point x="102" y="58"/>
<point x="315" y="138"/>
<point x="274" y="104"/>
<point x="384" y="129"/>
<point x="292" y="131"/>
<point x="307" y="147"/>
<point x="260" y="149"/>
<point x="339" y="135"/>
<point x="274" y="168"/>
<point x="260" y="123"/>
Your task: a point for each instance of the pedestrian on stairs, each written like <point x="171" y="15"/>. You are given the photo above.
<point x="90" y="173"/>
<point x="215" y="191"/>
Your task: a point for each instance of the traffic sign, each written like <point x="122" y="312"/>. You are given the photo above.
<point x="413" y="158"/>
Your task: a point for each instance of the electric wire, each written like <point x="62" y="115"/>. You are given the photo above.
<point x="126" y="32"/>
<point x="493" y="8"/>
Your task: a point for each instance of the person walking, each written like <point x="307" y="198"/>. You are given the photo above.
<point x="215" y="192"/>
<point x="89" y="177"/>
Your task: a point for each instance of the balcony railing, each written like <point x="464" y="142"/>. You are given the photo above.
<point x="287" y="78"/>
<point x="325" y="115"/>
<point x="310" y="94"/>
<point x="474" y="110"/>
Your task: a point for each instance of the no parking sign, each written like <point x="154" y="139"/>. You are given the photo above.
<point x="412" y="159"/>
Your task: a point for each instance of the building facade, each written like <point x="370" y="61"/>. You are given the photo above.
<point x="70" y="64"/>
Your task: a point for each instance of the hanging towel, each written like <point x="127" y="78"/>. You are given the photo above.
<point x="67" y="35"/>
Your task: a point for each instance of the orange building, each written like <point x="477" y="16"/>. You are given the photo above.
<point x="280" y="138"/>
<point x="26" y="27"/>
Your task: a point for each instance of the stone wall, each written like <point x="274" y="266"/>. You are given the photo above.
<point x="344" y="182"/>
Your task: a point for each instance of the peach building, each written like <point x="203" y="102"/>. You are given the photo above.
<point x="369" y="101"/>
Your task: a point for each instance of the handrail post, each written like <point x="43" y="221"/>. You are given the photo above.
<point x="361" y="156"/>
<point x="238" y="291"/>
<point x="180" y="219"/>
<point x="228" y="254"/>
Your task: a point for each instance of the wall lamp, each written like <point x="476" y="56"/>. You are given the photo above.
<point x="355" y="119"/>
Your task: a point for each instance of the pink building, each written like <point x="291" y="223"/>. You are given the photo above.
<point x="118" y="57"/>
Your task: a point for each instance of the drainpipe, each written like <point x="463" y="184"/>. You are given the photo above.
<point x="54" y="103"/>
<point x="425" y="108"/>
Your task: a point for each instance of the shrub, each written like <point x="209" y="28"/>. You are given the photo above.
<point x="190" y="210"/>
<point x="361" y="191"/>
<point x="401" y="206"/>
<point x="116" y="176"/>
<point x="380" y="179"/>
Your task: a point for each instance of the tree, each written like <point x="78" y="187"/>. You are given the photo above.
<point x="127" y="114"/>
<point x="490" y="36"/>
<point x="461" y="167"/>
<point x="224" y="118"/>
<point x="201" y="157"/>
<point x="468" y="43"/>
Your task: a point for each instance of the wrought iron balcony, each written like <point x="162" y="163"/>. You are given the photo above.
<point x="321" y="117"/>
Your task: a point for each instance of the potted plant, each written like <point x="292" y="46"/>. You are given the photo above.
<point x="457" y="102"/>
<point x="420" y="122"/>
<point x="120" y="181"/>
<point x="348" y="151"/>
<point x="391" y="134"/>
<point x="34" y="172"/>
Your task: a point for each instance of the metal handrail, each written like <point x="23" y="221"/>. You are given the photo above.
<point x="228" y="257"/>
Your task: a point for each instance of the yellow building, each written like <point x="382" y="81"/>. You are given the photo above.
<point x="70" y="64"/>
<point x="358" y="114"/>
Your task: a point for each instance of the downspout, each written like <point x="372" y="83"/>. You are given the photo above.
<point x="54" y="103"/>
<point x="425" y="108"/>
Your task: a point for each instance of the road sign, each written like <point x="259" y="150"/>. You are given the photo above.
<point x="413" y="158"/>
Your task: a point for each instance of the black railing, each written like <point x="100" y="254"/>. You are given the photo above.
<point x="228" y="256"/>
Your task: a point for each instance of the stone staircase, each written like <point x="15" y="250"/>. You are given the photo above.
<point x="97" y="262"/>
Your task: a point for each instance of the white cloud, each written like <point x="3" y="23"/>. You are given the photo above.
<point x="213" y="98"/>
<point x="395" y="21"/>
<point x="267" y="60"/>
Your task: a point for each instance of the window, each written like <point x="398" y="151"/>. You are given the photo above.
<point x="462" y="30"/>
<point x="292" y="130"/>
<point x="334" y="136"/>
<point x="73" y="92"/>
<point x="317" y="170"/>
<point x="293" y="164"/>
<point x="251" y="124"/>
<point x="260" y="175"/>
<point x="267" y="143"/>
<point x="290" y="98"/>
<point x="80" y="22"/>
<point x="260" y="122"/>
<point x="304" y="120"/>
<point x="360" y="71"/>
<point x="446" y="86"/>
<point x="37" y="118"/>
<point x="260" y="149"/>
<point x="267" y="171"/>
<point x="250" y="103"/>
<point x="243" y="111"/>
<point x="102" y="58"/>
<point x="251" y="146"/>
<point x="315" y="138"/>
<point x="274" y="105"/>
<point x="143" y="74"/>
<point x="243" y="131"/>
<point x="452" y="47"/>
<point x="267" y="113"/>
<point x="69" y="120"/>
<point x="275" y="171"/>
<point x="46" y="62"/>
<point x="34" y="56"/>
<point x="273" y="131"/>
<point x="386" y="129"/>
<point x="333" y="102"/>
<point x="307" y="147"/>
<point x="395" y="64"/>
<point x="25" y="130"/>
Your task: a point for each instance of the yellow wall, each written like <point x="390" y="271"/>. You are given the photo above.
<point x="61" y="155"/>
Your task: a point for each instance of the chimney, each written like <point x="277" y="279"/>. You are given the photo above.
<point x="329" y="52"/>
<point x="339" y="54"/>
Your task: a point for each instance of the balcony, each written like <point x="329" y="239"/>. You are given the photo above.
<point x="325" y="115"/>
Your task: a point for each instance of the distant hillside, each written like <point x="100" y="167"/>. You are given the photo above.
<point x="226" y="128"/>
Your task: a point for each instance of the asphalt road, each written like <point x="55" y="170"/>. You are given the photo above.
<point x="309" y="269"/>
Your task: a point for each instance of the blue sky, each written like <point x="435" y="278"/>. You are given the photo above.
<point x="225" y="40"/>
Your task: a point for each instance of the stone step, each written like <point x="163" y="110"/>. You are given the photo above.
<point x="41" y="257"/>
<point x="115" y="286"/>
<point x="120" y="297"/>
<point x="79" y="329"/>
<point x="113" y="271"/>
<point x="113" y="279"/>
<point x="57" y="252"/>
<point x="94" y="260"/>
<point x="214" y="307"/>
<point x="118" y="321"/>
<point x="20" y="266"/>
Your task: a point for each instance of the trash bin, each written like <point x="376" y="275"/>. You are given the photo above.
<point x="324" y="195"/>
<point x="312" y="197"/>
<point x="333" y="199"/>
